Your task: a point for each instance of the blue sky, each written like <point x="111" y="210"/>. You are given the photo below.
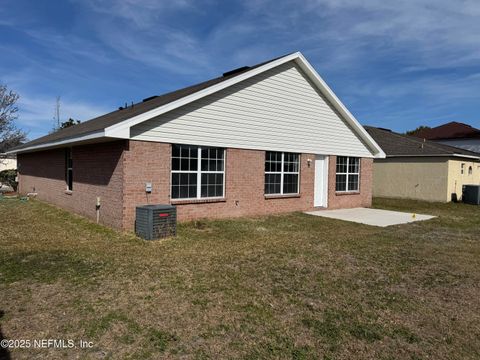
<point x="395" y="64"/>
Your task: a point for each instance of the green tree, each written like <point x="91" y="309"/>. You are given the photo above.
<point x="68" y="123"/>
<point x="417" y="130"/>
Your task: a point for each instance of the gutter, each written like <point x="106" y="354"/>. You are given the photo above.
<point x="467" y="156"/>
<point x="437" y="155"/>
<point x="85" y="137"/>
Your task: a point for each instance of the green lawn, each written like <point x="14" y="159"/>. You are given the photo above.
<point x="290" y="286"/>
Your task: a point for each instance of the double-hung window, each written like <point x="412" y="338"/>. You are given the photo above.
<point x="282" y="173"/>
<point x="69" y="169"/>
<point x="197" y="172"/>
<point x="348" y="174"/>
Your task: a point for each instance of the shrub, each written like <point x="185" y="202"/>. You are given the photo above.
<point x="8" y="177"/>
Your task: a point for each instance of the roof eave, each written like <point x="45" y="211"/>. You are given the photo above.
<point x="59" y="143"/>
<point x="435" y="155"/>
<point x="467" y="156"/>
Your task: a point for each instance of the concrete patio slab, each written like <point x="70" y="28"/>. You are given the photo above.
<point x="374" y="217"/>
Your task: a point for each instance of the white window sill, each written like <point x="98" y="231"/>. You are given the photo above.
<point x="281" y="196"/>
<point x="196" y="201"/>
<point x="340" y="193"/>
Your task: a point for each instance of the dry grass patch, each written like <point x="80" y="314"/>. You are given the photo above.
<point x="290" y="286"/>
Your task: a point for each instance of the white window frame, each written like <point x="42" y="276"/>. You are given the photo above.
<point x="199" y="173"/>
<point x="282" y="173"/>
<point x="348" y="173"/>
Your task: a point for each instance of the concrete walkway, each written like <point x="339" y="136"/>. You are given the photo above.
<point x="374" y="217"/>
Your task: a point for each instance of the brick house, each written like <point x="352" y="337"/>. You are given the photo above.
<point x="257" y="140"/>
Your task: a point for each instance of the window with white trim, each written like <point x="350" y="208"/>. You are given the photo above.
<point x="347" y="174"/>
<point x="197" y="172"/>
<point x="282" y="173"/>
<point x="69" y="169"/>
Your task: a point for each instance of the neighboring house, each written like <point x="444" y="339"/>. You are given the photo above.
<point x="454" y="134"/>
<point x="8" y="162"/>
<point x="258" y="140"/>
<point x="421" y="169"/>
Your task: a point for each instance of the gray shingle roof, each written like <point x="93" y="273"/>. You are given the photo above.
<point x="115" y="117"/>
<point x="394" y="144"/>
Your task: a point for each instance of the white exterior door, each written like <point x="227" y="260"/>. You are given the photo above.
<point x="320" y="195"/>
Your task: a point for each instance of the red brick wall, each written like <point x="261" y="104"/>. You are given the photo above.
<point x="244" y="185"/>
<point x="144" y="162"/>
<point x="97" y="172"/>
<point x="363" y="198"/>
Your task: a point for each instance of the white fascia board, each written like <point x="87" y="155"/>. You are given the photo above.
<point x="467" y="156"/>
<point x="437" y="155"/>
<point x="51" y="144"/>
<point x="122" y="129"/>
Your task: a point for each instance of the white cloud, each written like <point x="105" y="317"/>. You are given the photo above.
<point x="68" y="45"/>
<point x="433" y="33"/>
<point x="37" y="113"/>
<point x="394" y="52"/>
<point x="172" y="50"/>
<point x="143" y="13"/>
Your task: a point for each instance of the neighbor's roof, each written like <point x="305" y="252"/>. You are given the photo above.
<point x="398" y="145"/>
<point x="117" y="124"/>
<point x="451" y="130"/>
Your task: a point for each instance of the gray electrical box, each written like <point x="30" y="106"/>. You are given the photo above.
<point x="148" y="187"/>
<point x="471" y="194"/>
<point x="155" y="221"/>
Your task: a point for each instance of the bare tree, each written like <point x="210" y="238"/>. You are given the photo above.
<point x="10" y="136"/>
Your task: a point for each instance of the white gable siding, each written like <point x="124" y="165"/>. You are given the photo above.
<point x="276" y="110"/>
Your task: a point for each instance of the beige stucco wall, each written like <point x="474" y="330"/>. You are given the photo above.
<point x="411" y="178"/>
<point x="456" y="179"/>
